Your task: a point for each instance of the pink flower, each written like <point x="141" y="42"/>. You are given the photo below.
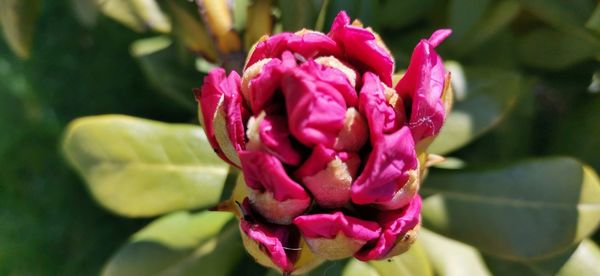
<point x="331" y="154"/>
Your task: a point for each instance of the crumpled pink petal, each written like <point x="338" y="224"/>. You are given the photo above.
<point x="387" y="168"/>
<point x="272" y="239"/>
<point x="264" y="87"/>
<point x="394" y="225"/>
<point x="360" y="45"/>
<point x="307" y="44"/>
<point x="423" y="85"/>
<point x="217" y="87"/>
<point x="329" y="225"/>
<point x="274" y="135"/>
<point x="315" y="108"/>
<point x="264" y="172"/>
<point x="372" y="102"/>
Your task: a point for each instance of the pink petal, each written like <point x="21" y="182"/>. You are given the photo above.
<point x="387" y="168"/>
<point x="328" y="175"/>
<point x="372" y="103"/>
<point x="423" y="85"/>
<point x="217" y="87"/>
<point x="330" y="225"/>
<point x="264" y="87"/>
<point x="264" y="172"/>
<point x="308" y="44"/>
<point x="274" y="135"/>
<point x="360" y="45"/>
<point x="394" y="225"/>
<point x="315" y="108"/>
<point x="272" y="239"/>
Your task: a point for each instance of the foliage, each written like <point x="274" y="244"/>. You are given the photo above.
<point x="505" y="201"/>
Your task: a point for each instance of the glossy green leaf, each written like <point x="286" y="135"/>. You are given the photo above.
<point x="412" y="262"/>
<point x="181" y="244"/>
<point x="525" y="211"/>
<point x="137" y="167"/>
<point x="483" y="96"/>
<point x="549" y="49"/>
<point x="17" y="19"/>
<point x="451" y="258"/>
<point x="582" y="260"/>
<point x="170" y="71"/>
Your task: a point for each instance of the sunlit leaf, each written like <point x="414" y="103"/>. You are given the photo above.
<point x="180" y="244"/>
<point x="260" y="22"/>
<point x="451" y="258"/>
<point x="138" y="15"/>
<point x="525" y="211"/>
<point x="17" y="19"/>
<point x="190" y="30"/>
<point x="487" y="97"/>
<point x="412" y="262"/>
<point x="170" y="71"/>
<point x="138" y="167"/>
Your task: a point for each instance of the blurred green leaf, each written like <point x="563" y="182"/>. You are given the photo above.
<point x="464" y="14"/>
<point x="190" y="30"/>
<point x="412" y="262"/>
<point x="549" y="49"/>
<point x="138" y="15"/>
<point x="583" y="260"/>
<point x="483" y="96"/>
<point x="17" y="19"/>
<point x="86" y="11"/>
<point x="296" y="15"/>
<point x="398" y="14"/>
<point x="525" y="211"/>
<point x="566" y="16"/>
<point x="497" y="17"/>
<point x="181" y="244"/>
<point x="170" y="71"/>
<point x="137" y="167"/>
<point x="451" y="258"/>
<point x="593" y="22"/>
<point x="363" y="10"/>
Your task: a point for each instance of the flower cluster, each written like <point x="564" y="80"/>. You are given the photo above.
<point x="332" y="152"/>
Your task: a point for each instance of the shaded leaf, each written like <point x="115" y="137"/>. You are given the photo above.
<point x="170" y="71"/>
<point x="296" y="15"/>
<point x="549" y="49"/>
<point x="86" y="11"/>
<point x="449" y="257"/>
<point x="464" y="14"/>
<point x="190" y="30"/>
<point x="484" y="96"/>
<point x="593" y="22"/>
<point x="581" y="260"/>
<point x="260" y="22"/>
<point x="17" y="19"/>
<point x="397" y="14"/>
<point x="137" y="167"/>
<point x="525" y="211"/>
<point x="180" y="244"/>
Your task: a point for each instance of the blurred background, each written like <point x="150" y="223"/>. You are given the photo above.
<point x="60" y="60"/>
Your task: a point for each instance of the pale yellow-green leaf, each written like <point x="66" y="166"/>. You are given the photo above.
<point x="412" y="262"/>
<point x="17" y="19"/>
<point x="584" y="261"/>
<point x="190" y="30"/>
<point x="138" y="15"/>
<point x="451" y="258"/>
<point x="137" y="167"/>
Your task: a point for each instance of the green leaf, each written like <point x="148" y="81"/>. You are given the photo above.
<point x="549" y="49"/>
<point x="464" y="14"/>
<point x="525" y="211"/>
<point x="138" y="168"/>
<point x="17" y="19"/>
<point x="296" y="15"/>
<point x="483" y="97"/>
<point x="398" y="14"/>
<point x="582" y="260"/>
<point x="593" y="22"/>
<point x="181" y="244"/>
<point x="449" y="257"/>
<point x="170" y="71"/>
<point x="139" y="15"/>
<point x="86" y="11"/>
<point x="412" y="262"/>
